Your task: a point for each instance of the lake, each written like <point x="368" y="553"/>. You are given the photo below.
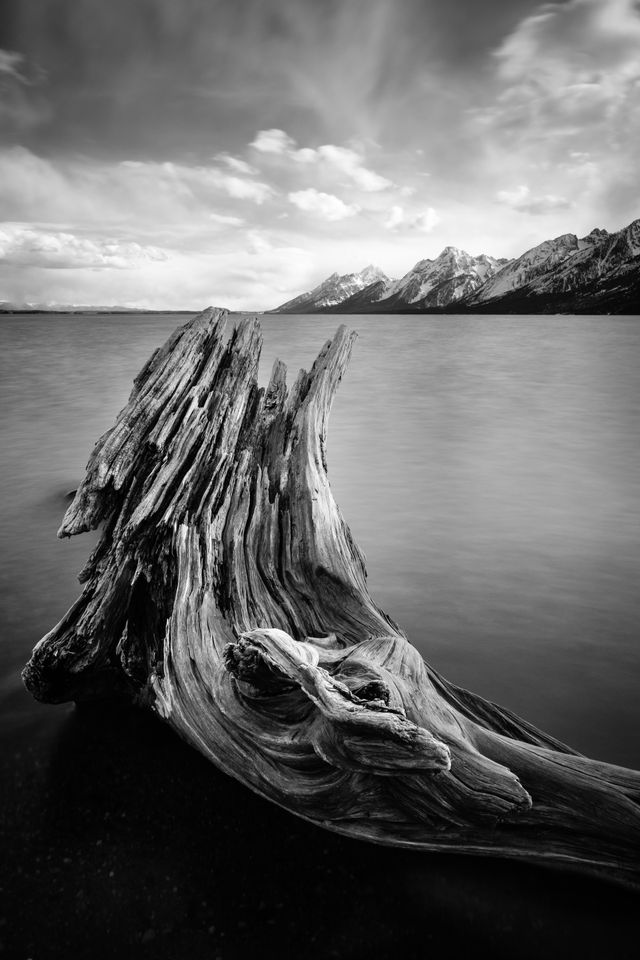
<point x="488" y="467"/>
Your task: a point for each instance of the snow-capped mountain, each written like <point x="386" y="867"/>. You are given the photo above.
<point x="452" y="276"/>
<point x="599" y="273"/>
<point x="333" y="291"/>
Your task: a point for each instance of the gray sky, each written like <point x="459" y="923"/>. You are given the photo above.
<point x="184" y="152"/>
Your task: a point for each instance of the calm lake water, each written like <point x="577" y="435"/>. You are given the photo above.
<point x="488" y="466"/>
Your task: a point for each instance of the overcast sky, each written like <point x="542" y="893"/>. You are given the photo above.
<point x="178" y="153"/>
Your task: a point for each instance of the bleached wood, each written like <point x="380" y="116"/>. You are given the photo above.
<point x="227" y="594"/>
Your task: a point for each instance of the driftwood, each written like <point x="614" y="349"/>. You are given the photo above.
<point x="227" y="594"/>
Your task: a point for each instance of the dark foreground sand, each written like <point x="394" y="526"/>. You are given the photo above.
<point x="121" y="841"/>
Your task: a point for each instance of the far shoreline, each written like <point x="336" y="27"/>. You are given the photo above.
<point x="333" y="311"/>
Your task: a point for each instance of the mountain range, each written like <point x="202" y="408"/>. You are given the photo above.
<point x="9" y="306"/>
<point x="598" y="273"/>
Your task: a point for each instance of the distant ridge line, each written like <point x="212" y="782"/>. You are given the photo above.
<point x="595" y="274"/>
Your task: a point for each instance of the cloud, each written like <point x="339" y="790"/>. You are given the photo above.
<point x="561" y="113"/>
<point x="202" y="178"/>
<point x="352" y="103"/>
<point x="228" y="276"/>
<point x="520" y="198"/>
<point x="573" y="68"/>
<point x="22" y="106"/>
<point x="258" y="243"/>
<point x="148" y="192"/>
<point x="343" y="160"/>
<point x="577" y="42"/>
<point x="513" y="198"/>
<point x="335" y="69"/>
<point x="323" y="205"/>
<point x="235" y="187"/>
<point x="350" y="163"/>
<point x="10" y="65"/>
<point x="226" y="220"/>
<point x="27" y="247"/>
<point x="423" y="222"/>
<point x="395" y="218"/>
<point x="273" y="141"/>
<point x="236" y="164"/>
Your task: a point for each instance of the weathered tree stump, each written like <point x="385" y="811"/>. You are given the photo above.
<point x="227" y="594"/>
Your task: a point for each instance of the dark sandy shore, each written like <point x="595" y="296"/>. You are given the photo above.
<point x="121" y="841"/>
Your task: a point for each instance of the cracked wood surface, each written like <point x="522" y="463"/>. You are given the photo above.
<point x="227" y="594"/>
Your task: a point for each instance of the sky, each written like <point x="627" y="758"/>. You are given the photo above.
<point x="179" y="153"/>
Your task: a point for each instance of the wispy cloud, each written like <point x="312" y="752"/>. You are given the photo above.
<point x="11" y="64"/>
<point x="78" y="190"/>
<point x="350" y="164"/>
<point x="236" y="164"/>
<point x="574" y="44"/>
<point x="200" y="179"/>
<point x="565" y="115"/>
<point x="345" y="160"/>
<point x="572" y="70"/>
<point x="521" y="198"/>
<point x="22" y="106"/>
<point x="226" y="220"/>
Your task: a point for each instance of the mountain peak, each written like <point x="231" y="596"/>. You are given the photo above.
<point x="597" y="233"/>
<point x="371" y="273"/>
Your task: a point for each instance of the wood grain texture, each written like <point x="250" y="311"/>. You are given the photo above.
<point x="227" y="594"/>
